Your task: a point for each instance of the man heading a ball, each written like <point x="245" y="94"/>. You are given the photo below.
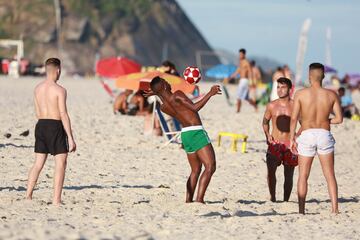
<point x="194" y="138"/>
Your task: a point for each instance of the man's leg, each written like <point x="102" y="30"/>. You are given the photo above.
<point x="34" y="173"/>
<point x="253" y="103"/>
<point x="60" y="166"/>
<point x="238" y="106"/>
<point x="272" y="164"/>
<point x="195" y="165"/>
<point x="327" y="165"/>
<point x="207" y="157"/>
<point x="288" y="183"/>
<point x="304" y="171"/>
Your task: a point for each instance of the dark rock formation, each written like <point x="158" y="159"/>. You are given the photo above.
<point x="140" y="29"/>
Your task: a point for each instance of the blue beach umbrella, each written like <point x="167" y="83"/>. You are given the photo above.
<point x="221" y="71"/>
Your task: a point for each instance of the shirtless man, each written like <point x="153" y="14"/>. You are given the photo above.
<point x="256" y="78"/>
<point x="194" y="138"/>
<point x="244" y="70"/>
<point x="314" y="105"/>
<point x="53" y="130"/>
<point x="279" y="112"/>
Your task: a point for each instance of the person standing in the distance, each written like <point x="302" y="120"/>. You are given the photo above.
<point x="288" y="74"/>
<point x="194" y="138"/>
<point x="276" y="75"/>
<point x="256" y="78"/>
<point x="53" y="132"/>
<point x="314" y="105"/>
<point x="244" y="70"/>
<point x="279" y="112"/>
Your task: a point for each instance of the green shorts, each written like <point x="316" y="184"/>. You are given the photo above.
<point x="194" y="138"/>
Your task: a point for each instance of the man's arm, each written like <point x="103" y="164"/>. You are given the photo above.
<point x="237" y="71"/>
<point x="266" y="124"/>
<point x="65" y="119"/>
<point x="294" y="119"/>
<point x="300" y="129"/>
<point x="199" y="104"/>
<point x="37" y="110"/>
<point x="337" y="111"/>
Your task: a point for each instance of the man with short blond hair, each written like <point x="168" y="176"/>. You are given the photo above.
<point x="53" y="132"/>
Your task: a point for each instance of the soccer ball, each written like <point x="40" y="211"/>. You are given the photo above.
<point x="192" y="75"/>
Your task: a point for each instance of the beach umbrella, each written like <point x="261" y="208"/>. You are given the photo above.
<point x="221" y="71"/>
<point x="114" y="67"/>
<point x="141" y="81"/>
<point x="329" y="69"/>
<point x="354" y="79"/>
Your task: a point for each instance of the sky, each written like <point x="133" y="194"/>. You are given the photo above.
<point x="271" y="28"/>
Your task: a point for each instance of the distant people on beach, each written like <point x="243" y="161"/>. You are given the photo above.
<point x="254" y="81"/>
<point x="347" y="105"/>
<point x="279" y="73"/>
<point x="129" y="103"/>
<point x="170" y="68"/>
<point x="245" y="72"/>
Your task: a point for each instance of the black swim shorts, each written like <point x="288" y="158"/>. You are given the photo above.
<point x="50" y="137"/>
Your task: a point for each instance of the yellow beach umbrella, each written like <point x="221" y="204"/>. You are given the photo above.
<point x="141" y="81"/>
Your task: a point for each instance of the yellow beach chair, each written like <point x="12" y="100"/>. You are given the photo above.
<point x="234" y="139"/>
<point x="355" y="117"/>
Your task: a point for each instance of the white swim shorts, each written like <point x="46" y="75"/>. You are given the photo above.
<point x="315" y="140"/>
<point x="243" y="89"/>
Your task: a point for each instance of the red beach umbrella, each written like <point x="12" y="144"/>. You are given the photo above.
<point x="114" y="67"/>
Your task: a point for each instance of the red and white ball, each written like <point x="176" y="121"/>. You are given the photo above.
<point x="192" y="75"/>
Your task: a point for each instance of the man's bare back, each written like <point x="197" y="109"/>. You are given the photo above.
<point x="46" y="98"/>
<point x="313" y="106"/>
<point x="316" y="105"/>
<point x="53" y="134"/>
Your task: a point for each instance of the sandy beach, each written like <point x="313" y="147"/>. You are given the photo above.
<point x="121" y="184"/>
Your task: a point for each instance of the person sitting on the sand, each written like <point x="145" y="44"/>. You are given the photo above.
<point x="194" y="138"/>
<point x="136" y="104"/>
<point x="121" y="102"/>
<point x="347" y="105"/>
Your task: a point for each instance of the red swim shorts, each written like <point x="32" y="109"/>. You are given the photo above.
<point x="282" y="152"/>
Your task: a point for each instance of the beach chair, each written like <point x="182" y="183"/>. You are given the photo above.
<point x="234" y="139"/>
<point x="172" y="136"/>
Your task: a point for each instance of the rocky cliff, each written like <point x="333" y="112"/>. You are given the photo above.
<point x="144" y="30"/>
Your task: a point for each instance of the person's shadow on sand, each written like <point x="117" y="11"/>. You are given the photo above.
<point x="14" y="145"/>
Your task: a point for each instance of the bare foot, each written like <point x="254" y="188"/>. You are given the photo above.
<point x="336" y="212"/>
<point x="56" y="202"/>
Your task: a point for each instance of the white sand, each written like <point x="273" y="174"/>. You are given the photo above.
<point x="112" y="181"/>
